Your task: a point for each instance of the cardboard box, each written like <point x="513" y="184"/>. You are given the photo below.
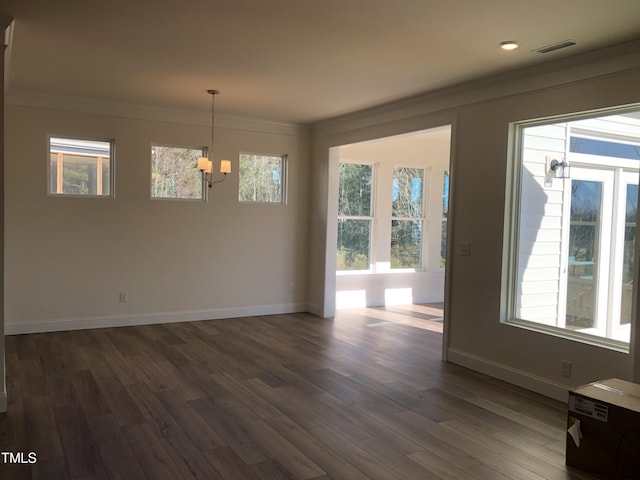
<point x="603" y="429"/>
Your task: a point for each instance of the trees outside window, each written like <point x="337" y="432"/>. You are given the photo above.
<point x="262" y="178"/>
<point x="407" y="217"/>
<point x="354" y="216"/>
<point x="174" y="174"/>
<point x="363" y="208"/>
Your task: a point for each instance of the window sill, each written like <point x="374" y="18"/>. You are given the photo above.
<point x="395" y="271"/>
<point x="576" y="336"/>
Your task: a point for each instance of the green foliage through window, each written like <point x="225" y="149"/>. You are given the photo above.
<point x="407" y="212"/>
<point x="354" y="197"/>
<point x="445" y="214"/>
<point x="353" y="244"/>
<point x="354" y="216"/>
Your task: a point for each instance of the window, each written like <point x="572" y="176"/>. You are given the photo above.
<point x="445" y="215"/>
<point x="262" y="178"/>
<point x="174" y="174"/>
<point x="80" y="167"/>
<point x="355" y="216"/>
<point x="574" y="237"/>
<point x="407" y="214"/>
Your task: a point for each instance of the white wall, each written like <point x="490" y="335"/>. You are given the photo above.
<point x="481" y="114"/>
<point x="426" y="149"/>
<point x="68" y="258"/>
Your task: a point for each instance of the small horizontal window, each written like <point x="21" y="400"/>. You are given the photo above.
<point x="80" y="167"/>
<point x="262" y="178"/>
<point x="174" y="174"/>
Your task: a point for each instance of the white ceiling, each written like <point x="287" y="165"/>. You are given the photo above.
<point x="297" y="61"/>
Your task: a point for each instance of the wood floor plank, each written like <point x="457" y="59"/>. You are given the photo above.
<point x="227" y="462"/>
<point x="190" y="460"/>
<point x="364" y="395"/>
<point x="42" y="430"/>
<point x="115" y="452"/>
<point x="526" y="460"/>
<point x="152" y="455"/>
<point x="120" y="402"/>
<point x="156" y="415"/>
<point x="80" y="447"/>
<point x="331" y="461"/>
<point x="287" y="400"/>
<point x="89" y="396"/>
<point x="372" y="467"/>
<point x="229" y="429"/>
<point x="192" y="424"/>
<point x="243" y="395"/>
<point x="281" y="449"/>
<point x="395" y="460"/>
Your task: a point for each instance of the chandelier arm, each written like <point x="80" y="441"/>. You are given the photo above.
<point x="211" y="184"/>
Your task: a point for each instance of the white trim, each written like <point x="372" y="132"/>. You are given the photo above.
<point x="509" y="374"/>
<point x="82" y="323"/>
<point x="3" y="402"/>
<point x="21" y="98"/>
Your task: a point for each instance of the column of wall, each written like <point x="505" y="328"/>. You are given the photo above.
<point x="5" y="22"/>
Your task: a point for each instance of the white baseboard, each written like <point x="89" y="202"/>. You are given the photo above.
<point x="523" y="379"/>
<point x="65" y="324"/>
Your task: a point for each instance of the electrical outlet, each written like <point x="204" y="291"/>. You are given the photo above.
<point x="465" y="249"/>
<point x="292" y="288"/>
<point x="124" y="297"/>
<point x="566" y="368"/>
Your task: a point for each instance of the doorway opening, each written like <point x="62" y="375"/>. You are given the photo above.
<point x="392" y="199"/>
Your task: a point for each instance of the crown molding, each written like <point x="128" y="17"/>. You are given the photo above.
<point x="92" y="106"/>
<point x="607" y="61"/>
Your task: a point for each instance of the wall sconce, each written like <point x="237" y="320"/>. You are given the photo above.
<point x="559" y="169"/>
<point x="205" y="164"/>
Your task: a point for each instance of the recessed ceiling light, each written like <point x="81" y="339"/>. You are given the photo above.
<point x="509" y="45"/>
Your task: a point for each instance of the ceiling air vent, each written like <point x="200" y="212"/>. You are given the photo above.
<point x="555" y="46"/>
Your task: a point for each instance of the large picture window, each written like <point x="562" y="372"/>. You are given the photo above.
<point x="80" y="167"/>
<point x="574" y="226"/>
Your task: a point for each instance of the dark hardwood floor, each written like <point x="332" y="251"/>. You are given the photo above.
<point x="362" y="396"/>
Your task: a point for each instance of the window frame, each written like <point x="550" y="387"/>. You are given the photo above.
<point x="426" y="179"/>
<point x="446" y="183"/>
<point x="284" y="187"/>
<point x="203" y="193"/>
<point x="371" y="218"/>
<point x="513" y="204"/>
<point x="112" y="169"/>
